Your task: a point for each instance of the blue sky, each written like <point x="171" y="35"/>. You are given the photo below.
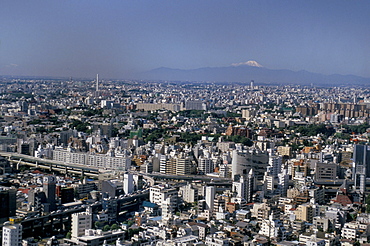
<point x="116" y="38"/>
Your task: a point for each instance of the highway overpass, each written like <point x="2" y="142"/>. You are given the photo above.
<point x="59" y="222"/>
<point x="50" y="165"/>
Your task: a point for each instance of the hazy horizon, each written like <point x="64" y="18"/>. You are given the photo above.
<point x="119" y="38"/>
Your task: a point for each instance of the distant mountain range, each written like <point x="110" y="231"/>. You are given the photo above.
<point x="251" y="70"/>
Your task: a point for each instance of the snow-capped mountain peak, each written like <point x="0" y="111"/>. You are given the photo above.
<point x="248" y="63"/>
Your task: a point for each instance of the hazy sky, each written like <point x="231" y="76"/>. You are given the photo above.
<point x="116" y="38"/>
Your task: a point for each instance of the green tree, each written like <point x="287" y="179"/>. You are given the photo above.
<point x="69" y="235"/>
<point x="132" y="232"/>
<point x="97" y="224"/>
<point x="114" y="227"/>
<point x="106" y="228"/>
<point x="79" y="125"/>
<point x="232" y="114"/>
<point x="359" y="129"/>
<point x="34" y="122"/>
<point x="345" y="136"/>
<point x="92" y="112"/>
<point x="190" y="137"/>
<point x="240" y="139"/>
<point x="313" y="130"/>
<point x="192" y="113"/>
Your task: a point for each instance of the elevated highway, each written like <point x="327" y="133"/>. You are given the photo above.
<point x="204" y="178"/>
<point x="335" y="184"/>
<point x="51" y="165"/>
<point x="59" y="222"/>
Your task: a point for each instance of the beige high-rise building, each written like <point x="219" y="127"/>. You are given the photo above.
<point x="183" y="166"/>
<point x="248" y="113"/>
<point x="171" y="166"/>
<point x="285" y="151"/>
<point x="174" y="107"/>
<point x="304" y="212"/>
<point x="175" y="165"/>
<point x="189" y="193"/>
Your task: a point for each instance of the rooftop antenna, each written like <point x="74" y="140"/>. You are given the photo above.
<point x="97" y="82"/>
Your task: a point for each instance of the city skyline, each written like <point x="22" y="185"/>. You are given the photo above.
<point x="121" y="162"/>
<point x="119" y="39"/>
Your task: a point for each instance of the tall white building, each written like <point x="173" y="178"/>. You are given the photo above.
<point x="205" y="165"/>
<point x="283" y="182"/>
<point x="269" y="183"/>
<point x="81" y="222"/>
<point x="128" y="183"/>
<point x="163" y="164"/>
<point x="272" y="228"/>
<point x="169" y="206"/>
<point x="210" y="198"/>
<point x="158" y="194"/>
<point x="12" y="235"/>
<point x="274" y="167"/>
<point x="188" y="193"/>
<point x="238" y="164"/>
<point x="245" y="186"/>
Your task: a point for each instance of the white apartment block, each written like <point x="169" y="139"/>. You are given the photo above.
<point x="109" y="162"/>
<point x="158" y="193"/>
<point x="349" y="231"/>
<point x="163" y="164"/>
<point x="70" y="157"/>
<point x="210" y="198"/>
<point x="316" y="242"/>
<point x="274" y="167"/>
<point x="205" y="165"/>
<point x="188" y="193"/>
<point x="269" y="182"/>
<point x="97" y="160"/>
<point x="80" y="223"/>
<point x="272" y="228"/>
<point x="217" y="240"/>
<point x="168" y="206"/>
<point x="12" y="235"/>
